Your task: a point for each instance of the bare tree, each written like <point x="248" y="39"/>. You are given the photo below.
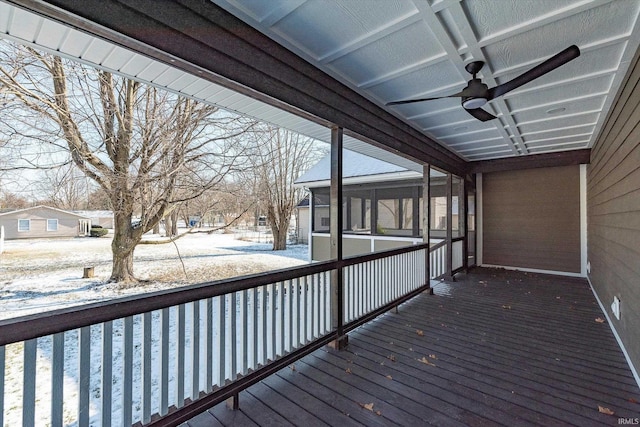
<point x="280" y="157"/>
<point x="10" y="200"/>
<point x="147" y="149"/>
<point x="65" y="188"/>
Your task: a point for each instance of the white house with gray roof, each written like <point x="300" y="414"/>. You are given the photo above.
<point x="43" y="222"/>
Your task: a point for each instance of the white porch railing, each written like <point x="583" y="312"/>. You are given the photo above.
<point x="170" y="354"/>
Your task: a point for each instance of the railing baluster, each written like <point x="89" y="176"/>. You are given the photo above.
<point x="29" y="383"/>
<point x="316" y="306"/>
<point x="84" y="372"/>
<point x="147" y="319"/>
<point x="281" y="329"/>
<point x="107" y="372"/>
<point x="209" y="346"/>
<point x="254" y="306"/>
<point x="127" y="378"/>
<point x="290" y="290"/>
<point x="195" y="347"/>
<point x="2" y="373"/>
<point x="245" y="334"/>
<point x="222" y="345"/>
<point x="263" y="307"/>
<point x="164" y="361"/>
<point x="233" y="317"/>
<point x="305" y="305"/>
<point x="57" y="380"/>
<point x="272" y="308"/>
<point x="298" y="290"/>
<point x="371" y="285"/>
<point x="356" y="291"/>
<point x="180" y="331"/>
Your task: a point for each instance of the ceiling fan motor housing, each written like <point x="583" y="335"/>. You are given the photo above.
<point x="475" y="95"/>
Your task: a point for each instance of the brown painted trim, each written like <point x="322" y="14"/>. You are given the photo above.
<point x="202" y="36"/>
<point x="532" y="161"/>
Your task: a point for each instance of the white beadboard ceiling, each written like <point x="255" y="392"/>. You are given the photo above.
<point x="389" y="50"/>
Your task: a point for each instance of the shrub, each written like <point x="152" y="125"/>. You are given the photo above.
<point x="98" y="231"/>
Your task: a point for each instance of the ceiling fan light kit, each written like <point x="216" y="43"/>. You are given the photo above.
<point x="471" y="103"/>
<point x="477" y="94"/>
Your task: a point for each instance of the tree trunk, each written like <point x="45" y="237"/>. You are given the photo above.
<point x="174" y="223"/>
<point x="122" y="246"/>
<point x="279" y="238"/>
<point x="167" y="226"/>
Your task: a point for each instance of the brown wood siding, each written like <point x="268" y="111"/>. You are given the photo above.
<point x="531" y="219"/>
<point x="613" y="207"/>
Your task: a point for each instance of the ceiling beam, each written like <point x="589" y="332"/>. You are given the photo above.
<point x="532" y="161"/>
<point x="187" y="34"/>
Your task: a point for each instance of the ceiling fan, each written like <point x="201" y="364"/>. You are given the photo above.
<point x="476" y="94"/>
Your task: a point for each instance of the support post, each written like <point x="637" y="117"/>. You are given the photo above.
<point x="335" y="228"/>
<point x="449" y="273"/>
<point x="426" y="221"/>
<point x="465" y="247"/>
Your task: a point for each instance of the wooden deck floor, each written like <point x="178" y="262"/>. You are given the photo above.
<point x="493" y="348"/>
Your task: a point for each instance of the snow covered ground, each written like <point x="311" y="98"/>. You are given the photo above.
<point x="40" y="275"/>
<point x="46" y="274"/>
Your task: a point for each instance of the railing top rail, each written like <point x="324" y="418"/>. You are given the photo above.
<point x="51" y="322"/>
<point x="438" y="246"/>
<point x="382" y="254"/>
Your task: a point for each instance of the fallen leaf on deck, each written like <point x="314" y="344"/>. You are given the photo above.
<point x="391" y="357"/>
<point x="293" y="367"/>
<point x="632" y="400"/>
<point x="604" y="410"/>
<point x="425" y="361"/>
<point x="419" y="332"/>
<point x="348" y="370"/>
<point x="599" y="320"/>
<point x="557" y="297"/>
<point x="433" y="356"/>
<point x="506" y="307"/>
<point x="389" y="377"/>
<point x="368" y="406"/>
<point x="378" y="413"/>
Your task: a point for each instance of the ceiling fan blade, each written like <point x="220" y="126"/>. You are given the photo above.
<point x="480" y="114"/>
<point x="409" y="101"/>
<point x="570" y="53"/>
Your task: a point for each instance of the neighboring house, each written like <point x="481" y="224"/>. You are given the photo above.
<point x="43" y="221"/>
<point x="382" y="206"/>
<point x="102" y="218"/>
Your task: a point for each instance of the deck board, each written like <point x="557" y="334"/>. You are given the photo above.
<point x="509" y="348"/>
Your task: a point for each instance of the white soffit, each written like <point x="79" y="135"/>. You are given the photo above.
<point x="31" y="29"/>
<point x="389" y="50"/>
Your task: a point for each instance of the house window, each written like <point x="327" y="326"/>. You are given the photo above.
<point x="325" y="221"/>
<point x="24" y="225"/>
<point x="52" y="225"/>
